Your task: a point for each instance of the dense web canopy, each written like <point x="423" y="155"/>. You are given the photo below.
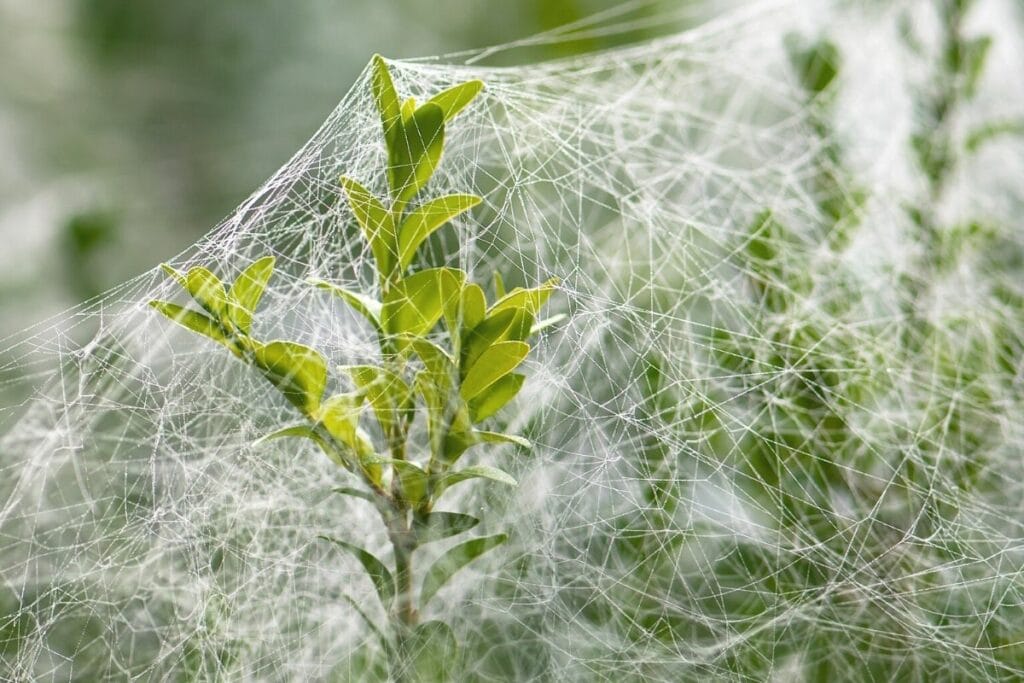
<point x="778" y="433"/>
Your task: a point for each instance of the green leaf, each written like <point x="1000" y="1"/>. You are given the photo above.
<point x="495" y="397"/>
<point x="412" y="306"/>
<point x="498" y="437"/>
<point x="413" y="480"/>
<point x="542" y="325"/>
<point x="247" y="290"/>
<point x="355" y="493"/>
<point x="474" y="306"/>
<point x="203" y="286"/>
<point x="386" y="392"/>
<point x="493" y="364"/>
<point x="364" y="305"/>
<point x="192" y="320"/>
<point x="499" y="285"/>
<point x="454" y="99"/>
<point x="439" y="525"/>
<point x="446" y="481"/>
<point x="299" y="372"/>
<point x="530" y="300"/>
<point x="386" y="97"/>
<point x="452" y="561"/>
<point x="491" y="330"/>
<point x="425" y="219"/>
<point x="432" y="653"/>
<point x="379" y="574"/>
<point x="416" y="152"/>
<point x="377" y="223"/>
<point x="304" y="431"/>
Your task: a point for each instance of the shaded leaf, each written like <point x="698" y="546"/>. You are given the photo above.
<point x="438" y="525"/>
<point x="247" y="290"/>
<point x="432" y="653"/>
<point x="495" y="397"/>
<point x="355" y="493"/>
<point x="499" y="285"/>
<point x="377" y="223"/>
<point x="386" y="392"/>
<point x="415" y="152"/>
<point x="493" y="364"/>
<point x="379" y="574"/>
<point x="299" y="372"/>
<point x="452" y="561"/>
<point x="413" y="480"/>
<point x="454" y="99"/>
<point x="446" y="481"/>
<point x="490" y="331"/>
<point x="304" y="431"/>
<point x="422" y="221"/>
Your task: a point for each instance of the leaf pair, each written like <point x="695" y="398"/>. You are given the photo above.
<point x="414" y="136"/>
<point x="446" y="566"/>
<point x="227" y="313"/>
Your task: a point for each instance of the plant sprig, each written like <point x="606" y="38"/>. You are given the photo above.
<point x="445" y="352"/>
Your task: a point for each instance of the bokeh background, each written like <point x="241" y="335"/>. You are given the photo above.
<point x="128" y="128"/>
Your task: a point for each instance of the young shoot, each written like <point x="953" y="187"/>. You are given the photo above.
<point x="445" y="352"/>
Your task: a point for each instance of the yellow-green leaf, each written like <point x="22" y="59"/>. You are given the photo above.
<point x="377" y="223"/>
<point x="454" y="99"/>
<point x="413" y="306"/>
<point x="299" y="372"/>
<point x="416" y="152"/>
<point x="386" y="97"/>
<point x="531" y="300"/>
<point x="192" y="320"/>
<point x="386" y="392"/>
<point x="246" y="292"/>
<point x="493" y="364"/>
<point x="422" y="221"/>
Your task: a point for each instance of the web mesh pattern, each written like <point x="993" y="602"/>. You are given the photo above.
<point x="772" y="438"/>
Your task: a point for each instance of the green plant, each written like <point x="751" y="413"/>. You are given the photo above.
<point x="444" y="352"/>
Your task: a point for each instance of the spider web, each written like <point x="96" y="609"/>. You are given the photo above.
<point x="768" y="441"/>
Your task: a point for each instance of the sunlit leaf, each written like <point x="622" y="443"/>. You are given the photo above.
<point x="203" y="286"/>
<point x="542" y="325"/>
<point x="192" y="320"/>
<point x="454" y="99"/>
<point x="299" y="372"/>
<point x="413" y="306"/>
<point x="490" y="331"/>
<point x="416" y="152"/>
<point x="493" y="364"/>
<point x="439" y="525"/>
<point x="378" y="573"/>
<point x="452" y="561"/>
<point x="531" y="300"/>
<point x="386" y="98"/>
<point x="422" y="221"/>
<point x="377" y="223"/>
<point x="247" y="290"/>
